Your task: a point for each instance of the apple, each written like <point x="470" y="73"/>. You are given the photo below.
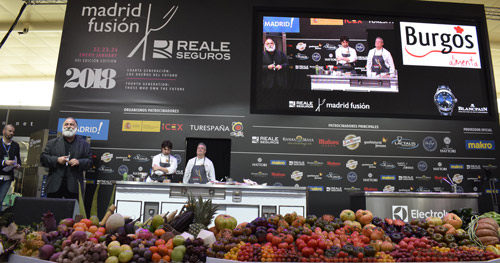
<point x="225" y="222"/>
<point x="347" y="214"/>
<point x="435" y="221"/>
<point x="453" y="220"/>
<point x="364" y="216"/>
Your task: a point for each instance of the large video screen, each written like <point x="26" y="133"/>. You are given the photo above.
<point x="337" y="65"/>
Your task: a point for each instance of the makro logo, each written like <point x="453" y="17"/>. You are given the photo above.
<point x="440" y="45"/>
<point x="479" y="145"/>
<point x="384" y="177"/>
<point x="278" y="162"/>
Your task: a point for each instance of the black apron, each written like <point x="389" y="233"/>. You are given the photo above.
<point x="160" y="178"/>
<point x="378" y="64"/>
<point x="198" y="174"/>
<point x="348" y="66"/>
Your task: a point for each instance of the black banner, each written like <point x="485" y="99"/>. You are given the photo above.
<point x="135" y="73"/>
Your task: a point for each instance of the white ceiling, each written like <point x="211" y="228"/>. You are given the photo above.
<point x="34" y="55"/>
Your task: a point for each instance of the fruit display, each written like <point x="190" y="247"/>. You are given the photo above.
<point x="354" y="236"/>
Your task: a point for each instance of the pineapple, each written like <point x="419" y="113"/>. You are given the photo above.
<point x="203" y="211"/>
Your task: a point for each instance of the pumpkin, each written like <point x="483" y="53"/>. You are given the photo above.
<point x="487" y="231"/>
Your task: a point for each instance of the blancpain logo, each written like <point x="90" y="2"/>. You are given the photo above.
<point x="473" y="109"/>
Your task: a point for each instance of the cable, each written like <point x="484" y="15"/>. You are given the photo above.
<point x="13" y="25"/>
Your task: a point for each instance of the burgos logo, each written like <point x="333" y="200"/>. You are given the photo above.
<point x="400" y="212"/>
<point x="479" y="145"/>
<point x="426" y="44"/>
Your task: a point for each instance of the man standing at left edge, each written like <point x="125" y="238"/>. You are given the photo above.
<point x="11" y="159"/>
<point x="67" y="157"/>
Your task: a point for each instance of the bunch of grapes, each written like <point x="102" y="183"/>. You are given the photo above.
<point x="196" y="251"/>
<point x="140" y="247"/>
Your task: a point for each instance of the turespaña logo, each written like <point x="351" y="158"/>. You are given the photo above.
<point x="479" y="145"/>
<point x="237" y="128"/>
<point x="429" y="144"/>
<point x="426" y="44"/>
<point x="400" y="212"/>
<point x="403" y="143"/>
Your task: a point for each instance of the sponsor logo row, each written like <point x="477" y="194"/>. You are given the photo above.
<point x="386" y="188"/>
<point x="353" y="177"/>
<point x="353" y="142"/>
<point x="354" y="164"/>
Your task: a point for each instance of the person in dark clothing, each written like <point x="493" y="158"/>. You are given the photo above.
<point x="11" y="160"/>
<point x="67" y="158"/>
<point x="274" y="64"/>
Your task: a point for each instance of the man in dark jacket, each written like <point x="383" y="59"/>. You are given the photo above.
<point x="67" y="158"/>
<point x="274" y="64"/>
<point x="11" y="159"/>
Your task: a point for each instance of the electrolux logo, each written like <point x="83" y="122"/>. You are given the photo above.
<point x="426" y="44"/>
<point x="479" y="145"/>
<point x="400" y="212"/>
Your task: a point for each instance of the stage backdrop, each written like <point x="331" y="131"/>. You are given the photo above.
<point x="135" y="73"/>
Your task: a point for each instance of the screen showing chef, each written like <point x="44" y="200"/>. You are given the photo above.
<point x="355" y="65"/>
<point x="329" y="54"/>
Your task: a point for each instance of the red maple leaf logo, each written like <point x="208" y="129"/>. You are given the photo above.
<point x="459" y="29"/>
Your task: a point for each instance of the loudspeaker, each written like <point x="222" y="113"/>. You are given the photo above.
<point x="28" y="210"/>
